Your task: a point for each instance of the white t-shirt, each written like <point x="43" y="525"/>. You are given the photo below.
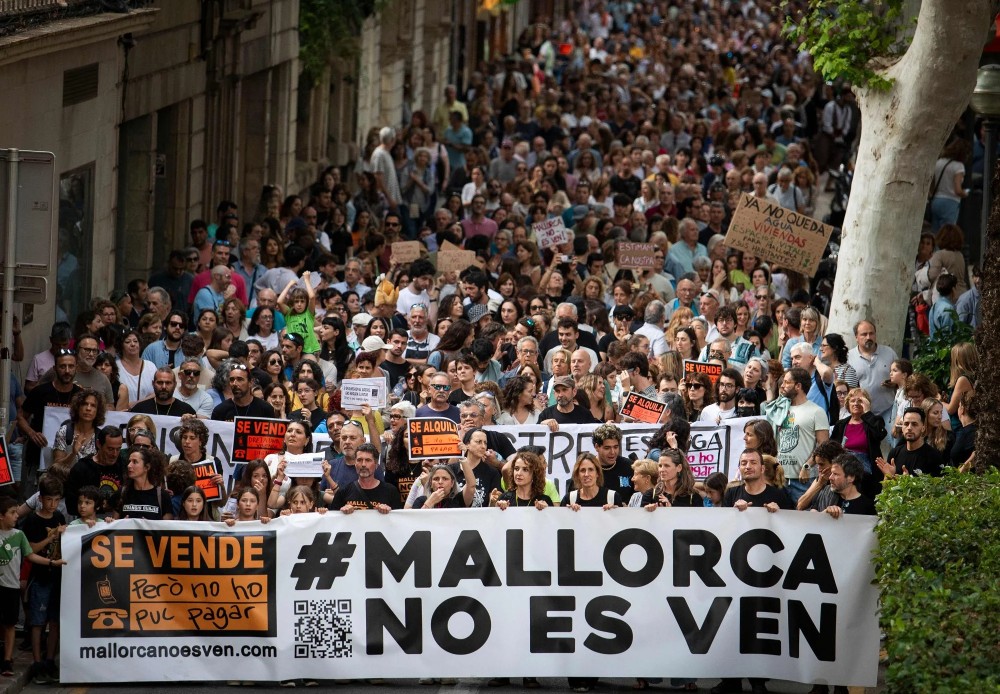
<point x="797" y="436"/>
<point x="713" y="413"/>
<point x="407" y="299"/>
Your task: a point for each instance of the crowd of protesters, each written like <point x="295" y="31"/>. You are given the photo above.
<point x="641" y="121"/>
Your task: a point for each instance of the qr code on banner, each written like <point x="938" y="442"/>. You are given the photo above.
<point x="323" y="629"/>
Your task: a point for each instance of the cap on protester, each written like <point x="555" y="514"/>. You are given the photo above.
<point x="716" y="161"/>
<point x="475" y="312"/>
<point x="295" y="224"/>
<point x="567" y="381"/>
<point x="507" y="142"/>
<point x="373" y="343"/>
<point x="361" y="319"/>
<point x="623" y="311"/>
<point x="767" y="93"/>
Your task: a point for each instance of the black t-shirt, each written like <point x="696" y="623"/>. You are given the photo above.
<point x="360" y="498"/>
<point x="316" y="417"/>
<point x="148" y="504"/>
<point x="510" y="496"/>
<point x="453" y="502"/>
<point x="487" y="479"/>
<point x="403" y="479"/>
<point x="859" y="505"/>
<point x="227" y="410"/>
<point x="926" y="460"/>
<point x="175" y="409"/>
<point x="770" y="494"/>
<point x="41" y="396"/>
<point x="619" y="477"/>
<point x="36" y="529"/>
<point x="107" y="478"/>
<point x="965" y="444"/>
<point x="681" y="501"/>
<point x="603" y="496"/>
<point x="579" y="415"/>
<point x="458" y="396"/>
<point x="395" y="371"/>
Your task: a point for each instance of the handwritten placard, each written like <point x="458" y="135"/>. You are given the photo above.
<point x="256" y="437"/>
<point x="778" y="235"/>
<point x="203" y="474"/>
<point x="713" y="371"/>
<point x="636" y="256"/>
<point x="304" y="465"/>
<point x="406" y="251"/>
<point x="551" y="232"/>
<point x="433" y="437"/>
<point x="642" y="409"/>
<point x="455" y="261"/>
<point x="355" y="392"/>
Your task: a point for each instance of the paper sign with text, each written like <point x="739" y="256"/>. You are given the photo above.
<point x="454" y="261"/>
<point x="355" y="392"/>
<point x="642" y="409"/>
<point x="551" y="232"/>
<point x="636" y="256"/>
<point x="433" y="437"/>
<point x="6" y="471"/>
<point x="406" y="251"/>
<point x="778" y="235"/>
<point x="203" y="473"/>
<point x="713" y="371"/>
<point x="256" y="437"/>
<point x="304" y="465"/>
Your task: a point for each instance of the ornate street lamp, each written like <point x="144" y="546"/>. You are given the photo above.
<point x="986" y="103"/>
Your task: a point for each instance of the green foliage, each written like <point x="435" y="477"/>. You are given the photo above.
<point x="845" y="36"/>
<point x="331" y="29"/>
<point x="933" y="357"/>
<point x="937" y="566"/>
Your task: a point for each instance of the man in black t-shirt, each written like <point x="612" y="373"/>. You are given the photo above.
<point x="845" y="474"/>
<point x="243" y="403"/>
<point x="368" y="492"/>
<point x="617" y="469"/>
<point x="753" y="493"/>
<point x="55" y="393"/>
<point x="102" y="470"/>
<point x="914" y="456"/>
<point x="566" y="410"/>
<point x="163" y="401"/>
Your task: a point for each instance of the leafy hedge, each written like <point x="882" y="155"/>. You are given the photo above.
<point x="938" y="568"/>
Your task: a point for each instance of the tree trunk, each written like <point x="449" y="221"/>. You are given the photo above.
<point x="903" y="131"/>
<point x="988" y="343"/>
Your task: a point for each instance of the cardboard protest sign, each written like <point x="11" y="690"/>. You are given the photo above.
<point x="778" y="235"/>
<point x="406" y="251"/>
<point x="6" y="471"/>
<point x="433" y="437"/>
<point x="551" y="232"/>
<point x="713" y="371"/>
<point x="636" y="256"/>
<point x="203" y="474"/>
<point x="454" y="261"/>
<point x="355" y="392"/>
<point x="256" y="437"/>
<point x="642" y="409"/>
<point x="449" y="246"/>
<point x="304" y="465"/>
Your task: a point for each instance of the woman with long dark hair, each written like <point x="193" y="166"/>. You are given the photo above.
<point x="76" y="438"/>
<point x="333" y="344"/>
<point x="458" y="337"/>
<point x="143" y="493"/>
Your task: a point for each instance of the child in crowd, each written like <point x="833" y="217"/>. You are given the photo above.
<point x="88" y="499"/>
<point x="44" y="527"/>
<point x="713" y="489"/>
<point x="14" y="547"/>
<point x="302" y="499"/>
<point x="194" y="506"/>
<point x="247" y="507"/>
<point x="300" y="312"/>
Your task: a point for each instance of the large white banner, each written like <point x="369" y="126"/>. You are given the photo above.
<point x="714" y="448"/>
<point x="474" y="593"/>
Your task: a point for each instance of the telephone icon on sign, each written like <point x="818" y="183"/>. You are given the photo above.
<point x="107" y="618"/>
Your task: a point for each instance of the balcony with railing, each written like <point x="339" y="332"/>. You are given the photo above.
<point x="21" y="15"/>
